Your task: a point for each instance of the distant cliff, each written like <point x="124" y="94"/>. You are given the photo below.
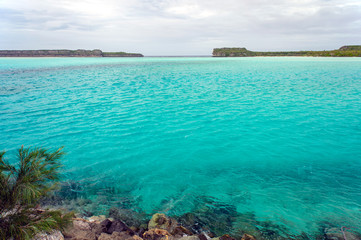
<point x="345" y="51"/>
<point x="65" y="53"/>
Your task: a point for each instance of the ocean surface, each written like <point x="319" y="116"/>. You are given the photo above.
<point x="278" y="139"/>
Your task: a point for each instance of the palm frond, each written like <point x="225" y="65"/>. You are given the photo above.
<point x="21" y="188"/>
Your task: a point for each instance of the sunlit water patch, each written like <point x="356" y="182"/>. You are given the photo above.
<point x="278" y="139"/>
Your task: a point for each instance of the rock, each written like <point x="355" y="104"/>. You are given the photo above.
<point x="118" y="236"/>
<point x="129" y="217"/>
<point x="136" y="237"/>
<point x="80" y="235"/>
<point x="208" y="234"/>
<point x="106" y="236"/>
<point x="97" y="219"/>
<point x="80" y="230"/>
<point x="210" y="216"/>
<point x="203" y="236"/>
<point x="141" y="231"/>
<point x="54" y="235"/>
<point x="226" y="237"/>
<point x="194" y="237"/>
<point x="157" y="234"/>
<point x="102" y="227"/>
<point x="181" y="231"/>
<point x="119" y="226"/>
<point x="134" y="229"/>
<point x="81" y="224"/>
<point x="92" y="230"/>
<point x="337" y="234"/>
<point x="188" y="219"/>
<point x="248" y="237"/>
<point x="161" y="221"/>
<point x="157" y="219"/>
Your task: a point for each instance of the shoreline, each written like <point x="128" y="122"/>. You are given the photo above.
<point x="214" y="219"/>
<point x="65" y="53"/>
<point x="159" y="227"/>
<point x="344" y="51"/>
<point x="163" y="227"/>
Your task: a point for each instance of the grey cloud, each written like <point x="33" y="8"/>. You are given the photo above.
<point x="11" y="17"/>
<point x="51" y="20"/>
<point x="189" y="27"/>
<point x="330" y="20"/>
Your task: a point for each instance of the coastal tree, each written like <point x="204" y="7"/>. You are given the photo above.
<point x="22" y="186"/>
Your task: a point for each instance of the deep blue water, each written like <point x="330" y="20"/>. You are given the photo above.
<point x="277" y="137"/>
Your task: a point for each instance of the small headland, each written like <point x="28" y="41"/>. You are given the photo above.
<point x="65" y="53"/>
<point x="345" y="51"/>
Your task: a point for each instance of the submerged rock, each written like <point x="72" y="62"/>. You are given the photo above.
<point x="210" y="216"/>
<point x="119" y="226"/>
<point x="337" y="234"/>
<point x="181" y="231"/>
<point x="226" y="237"/>
<point x="203" y="236"/>
<point x="248" y="237"/>
<point x="128" y="216"/>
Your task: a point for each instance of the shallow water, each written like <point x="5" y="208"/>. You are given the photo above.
<point x="276" y="137"/>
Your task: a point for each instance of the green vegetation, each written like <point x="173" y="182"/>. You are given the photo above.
<point x="345" y="51"/>
<point x="121" y="54"/>
<point x="22" y="186"/>
<point x="110" y="53"/>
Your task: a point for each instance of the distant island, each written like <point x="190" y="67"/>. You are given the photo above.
<point x="345" y="51"/>
<point x="65" y="53"/>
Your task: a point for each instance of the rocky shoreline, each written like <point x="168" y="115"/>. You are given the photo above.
<point x="208" y="220"/>
<point x="160" y="227"/>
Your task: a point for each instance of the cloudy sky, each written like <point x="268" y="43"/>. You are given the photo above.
<point x="179" y="27"/>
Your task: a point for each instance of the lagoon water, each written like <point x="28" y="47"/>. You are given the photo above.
<point x="276" y="138"/>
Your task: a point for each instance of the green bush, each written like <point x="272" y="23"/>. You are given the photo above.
<point x="22" y="186"/>
<point x="345" y="51"/>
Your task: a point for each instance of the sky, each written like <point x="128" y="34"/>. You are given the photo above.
<point x="179" y="27"/>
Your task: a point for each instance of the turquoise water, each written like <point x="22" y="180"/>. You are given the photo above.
<point x="277" y="137"/>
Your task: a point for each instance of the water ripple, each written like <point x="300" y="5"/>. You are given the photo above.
<point x="278" y="137"/>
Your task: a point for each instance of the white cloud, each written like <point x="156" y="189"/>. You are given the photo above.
<point x="189" y="9"/>
<point x="172" y="27"/>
